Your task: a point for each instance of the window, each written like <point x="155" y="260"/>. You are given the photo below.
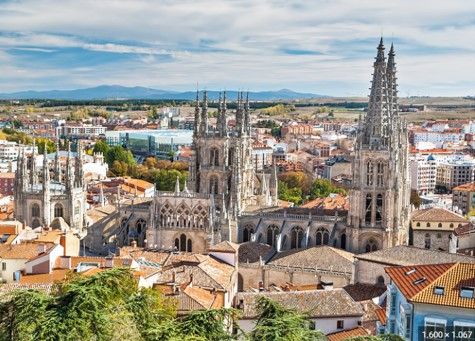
<point x="438" y="290"/>
<point x="466" y="292"/>
<point x="340" y="324"/>
<point x="436" y="327"/>
<point x="371" y="245"/>
<point x="322" y="237"/>
<point x="369" y="208"/>
<point x="213" y="185"/>
<point x="140" y="225"/>
<point x="439" y="235"/>
<point x="418" y="224"/>
<point x="428" y="224"/>
<point x="247" y="233"/>
<point x="464" y="331"/>
<point x="427" y="241"/>
<point x="296" y="238"/>
<point x="4" y="266"/>
<point x="379" y="209"/>
<point x="369" y="174"/>
<point x="35" y="210"/>
<point x="58" y="210"/>
<point x="272" y="233"/>
<point x="214" y="157"/>
<point x="392" y="306"/>
<point x="439" y="225"/>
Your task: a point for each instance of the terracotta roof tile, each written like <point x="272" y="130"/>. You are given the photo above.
<point x="347" y="334"/>
<point x="452" y="280"/>
<point x="314" y="303"/>
<point x="50" y="278"/>
<point x="469" y="187"/>
<point x="381" y="314"/>
<point x="413" y="279"/>
<point x="362" y="292"/>
<point x="21" y="251"/>
<point x="225" y="246"/>
<point x="437" y="215"/>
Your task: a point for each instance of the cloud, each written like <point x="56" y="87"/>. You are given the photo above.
<point x="320" y="46"/>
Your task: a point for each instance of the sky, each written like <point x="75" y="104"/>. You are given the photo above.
<point x="320" y="46"/>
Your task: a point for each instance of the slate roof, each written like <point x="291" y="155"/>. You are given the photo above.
<point x="323" y="257"/>
<point x="410" y="255"/>
<point x="314" y="303"/>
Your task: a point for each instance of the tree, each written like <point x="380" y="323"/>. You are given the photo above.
<point x="119" y="153"/>
<point x="208" y="325"/>
<point x="277" y="323"/>
<point x="322" y="188"/>
<point x="165" y="179"/>
<point x="101" y="147"/>
<point x="296" y="179"/>
<point x="293" y="195"/>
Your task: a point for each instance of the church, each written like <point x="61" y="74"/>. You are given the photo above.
<point x="227" y="199"/>
<point x="51" y="194"/>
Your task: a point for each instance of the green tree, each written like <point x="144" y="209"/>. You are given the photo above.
<point x="165" y="179"/>
<point x="293" y="195"/>
<point x="208" y="325"/>
<point x="119" y="153"/>
<point x="101" y="147"/>
<point x="277" y="323"/>
<point x="321" y="188"/>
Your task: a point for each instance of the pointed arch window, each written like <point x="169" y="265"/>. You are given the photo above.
<point x="35" y="210"/>
<point x="247" y="233"/>
<point x="369" y="208"/>
<point x="58" y="210"/>
<point x="182" y="242"/>
<point x="380" y="174"/>
<point x="272" y="233"/>
<point x="343" y="241"/>
<point x="140" y="226"/>
<point x="213" y="184"/>
<point x="214" y="157"/>
<point x="369" y="173"/>
<point x="371" y="245"/>
<point x="379" y="209"/>
<point x="296" y="238"/>
<point x="322" y="237"/>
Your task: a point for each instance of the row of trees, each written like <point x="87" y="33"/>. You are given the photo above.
<point x="163" y="173"/>
<point x="110" y="306"/>
<point x="297" y="187"/>
<point x="23" y="138"/>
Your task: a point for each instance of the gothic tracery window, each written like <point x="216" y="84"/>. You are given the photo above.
<point x="322" y="237"/>
<point x="140" y="225"/>
<point x="214" y="157"/>
<point x="58" y="210"/>
<point x="272" y="233"/>
<point x="213" y="184"/>
<point x="35" y="210"/>
<point x="371" y="245"/>
<point x="380" y="177"/>
<point x="369" y="208"/>
<point x="246" y="233"/>
<point x="379" y="209"/>
<point x="296" y="238"/>
<point x="369" y="173"/>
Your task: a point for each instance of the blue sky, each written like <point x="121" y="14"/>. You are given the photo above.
<point x="324" y="46"/>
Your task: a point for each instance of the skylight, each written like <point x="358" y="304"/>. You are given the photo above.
<point x="410" y="272"/>
<point x="419" y="280"/>
<point x="466" y="292"/>
<point x="439" y="290"/>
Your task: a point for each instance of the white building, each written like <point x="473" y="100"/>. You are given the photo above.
<point x="9" y="150"/>
<point x="438" y="138"/>
<point x="80" y="130"/>
<point x="423" y="173"/>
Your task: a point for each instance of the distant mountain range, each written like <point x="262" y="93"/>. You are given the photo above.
<point x="117" y="92"/>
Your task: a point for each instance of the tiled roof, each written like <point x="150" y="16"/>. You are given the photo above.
<point x="458" y="276"/>
<point x="56" y="275"/>
<point x="338" y="201"/>
<point x="321" y="257"/>
<point x="314" y="303"/>
<point x="469" y="187"/>
<point x="437" y="215"/>
<point x="225" y="246"/>
<point x="381" y="313"/>
<point x="21" y="251"/>
<point x="347" y="334"/>
<point x="409" y="255"/>
<point x="362" y="292"/>
<point x="411" y="282"/>
<point x="136" y="253"/>
<point x="250" y="252"/>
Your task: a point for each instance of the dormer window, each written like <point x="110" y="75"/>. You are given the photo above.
<point x="467" y="292"/>
<point x="438" y="290"/>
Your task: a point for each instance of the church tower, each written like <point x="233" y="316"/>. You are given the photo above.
<point x="379" y="198"/>
<point x="222" y="159"/>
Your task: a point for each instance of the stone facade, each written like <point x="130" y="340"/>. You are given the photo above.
<point x="43" y="197"/>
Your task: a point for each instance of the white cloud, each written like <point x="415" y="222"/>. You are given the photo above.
<point x="242" y="43"/>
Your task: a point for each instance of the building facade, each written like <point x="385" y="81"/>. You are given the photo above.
<point x="43" y="196"/>
<point x="463" y="197"/>
<point x="379" y="197"/>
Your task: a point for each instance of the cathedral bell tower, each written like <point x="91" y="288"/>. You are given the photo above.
<point x="379" y="197"/>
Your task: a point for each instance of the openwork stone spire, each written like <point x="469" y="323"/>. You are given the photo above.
<point x="376" y="128"/>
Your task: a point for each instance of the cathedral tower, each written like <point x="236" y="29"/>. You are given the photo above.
<point x="379" y="197"/>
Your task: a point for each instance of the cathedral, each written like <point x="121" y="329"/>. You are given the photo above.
<point x="379" y="206"/>
<point x="50" y="195"/>
<point x="227" y="198"/>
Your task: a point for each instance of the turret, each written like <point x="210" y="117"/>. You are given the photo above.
<point x="33" y="175"/>
<point x="247" y="116"/>
<point x="46" y="191"/>
<point x="197" y="128"/>
<point x="204" y="114"/>
<point x="78" y="170"/>
<point x="223" y="124"/>
<point x="57" y="164"/>
<point x="69" y="171"/>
